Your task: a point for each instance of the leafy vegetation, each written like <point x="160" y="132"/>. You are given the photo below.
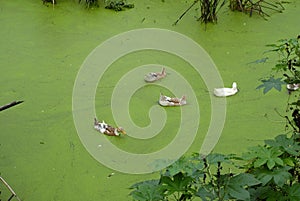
<point x="288" y="66"/>
<point x="118" y="5"/>
<point x="288" y="51"/>
<point x="264" y="172"/>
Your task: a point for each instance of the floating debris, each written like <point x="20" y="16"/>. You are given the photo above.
<point x="14" y="103"/>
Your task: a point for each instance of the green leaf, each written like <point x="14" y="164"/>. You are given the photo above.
<point x="271" y="45"/>
<point x="280" y="66"/>
<point x="245" y="179"/>
<point x="149" y="190"/>
<point x="260" y="193"/>
<point x="286" y="144"/>
<point x="206" y="192"/>
<point x="237" y="184"/>
<point x="177" y="183"/>
<point x="294" y="192"/>
<point x="238" y="192"/>
<point x="289" y="162"/>
<point x="187" y="165"/>
<point x="278" y="161"/>
<point x="265" y="177"/>
<point x="270" y="83"/>
<point x="280" y="176"/>
<point x="215" y="158"/>
<point x="271" y="164"/>
<point x="260" y="162"/>
<point x="265" y="155"/>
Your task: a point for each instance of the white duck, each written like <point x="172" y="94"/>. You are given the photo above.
<point x="222" y="92"/>
<point x="292" y="87"/>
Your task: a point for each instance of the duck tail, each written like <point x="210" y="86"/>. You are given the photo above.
<point x="163" y="72"/>
<point x="95" y="121"/>
<point x="183" y="100"/>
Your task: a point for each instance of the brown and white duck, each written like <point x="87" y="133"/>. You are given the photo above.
<point x="106" y="129"/>
<point x="168" y="101"/>
<point x="153" y="76"/>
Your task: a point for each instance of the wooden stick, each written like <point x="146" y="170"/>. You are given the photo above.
<point x="14" y="103"/>
<point x="181" y="16"/>
<point x="10" y="189"/>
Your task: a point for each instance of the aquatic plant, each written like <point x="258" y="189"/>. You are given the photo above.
<point x="209" y="10"/>
<point x="90" y="3"/>
<point x="49" y="1"/>
<point x="118" y="5"/>
<point x="259" y="6"/>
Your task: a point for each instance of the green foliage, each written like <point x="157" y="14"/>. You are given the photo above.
<point x="293" y="192"/>
<point x="289" y="146"/>
<point x="264" y="156"/>
<point x="279" y="176"/>
<point x="267" y="172"/>
<point x="147" y="191"/>
<point x="236" y="186"/>
<point x="288" y="51"/>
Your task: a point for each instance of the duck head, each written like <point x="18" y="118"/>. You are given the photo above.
<point x="234" y="85"/>
<point x="120" y="130"/>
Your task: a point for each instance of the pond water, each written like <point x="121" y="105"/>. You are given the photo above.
<point x="42" y="50"/>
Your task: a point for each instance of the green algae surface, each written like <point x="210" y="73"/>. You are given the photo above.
<point x="43" y="48"/>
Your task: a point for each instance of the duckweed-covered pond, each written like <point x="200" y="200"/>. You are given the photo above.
<point x="42" y="50"/>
